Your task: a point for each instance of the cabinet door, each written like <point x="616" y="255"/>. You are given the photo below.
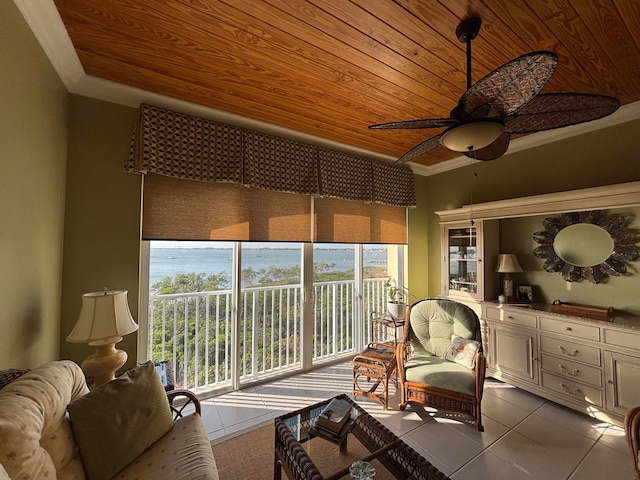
<point x="462" y="260"/>
<point x="513" y="354"/>
<point x="466" y="249"/>
<point x="462" y="268"/>
<point x="622" y="375"/>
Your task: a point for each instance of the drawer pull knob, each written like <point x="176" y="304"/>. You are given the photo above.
<point x="565" y="389"/>
<point x="564" y="370"/>
<point x="568" y="329"/>
<point x="572" y="353"/>
<point x="509" y="317"/>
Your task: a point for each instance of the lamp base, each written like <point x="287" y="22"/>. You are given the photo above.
<point x="507" y="287"/>
<point x="102" y="365"/>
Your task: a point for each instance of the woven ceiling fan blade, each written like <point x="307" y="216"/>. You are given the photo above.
<point x="420" y="149"/>
<point x="415" y="124"/>
<point x="491" y="152"/>
<point x="512" y="85"/>
<point x="556" y="110"/>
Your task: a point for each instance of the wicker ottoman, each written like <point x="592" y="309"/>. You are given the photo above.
<point x="377" y="362"/>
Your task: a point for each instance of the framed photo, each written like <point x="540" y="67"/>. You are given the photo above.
<point x="525" y="293"/>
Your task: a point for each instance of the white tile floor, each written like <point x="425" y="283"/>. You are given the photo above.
<point x="525" y="436"/>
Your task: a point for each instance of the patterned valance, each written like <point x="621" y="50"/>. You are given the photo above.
<point x="186" y="147"/>
<point x="191" y="148"/>
<point x="278" y="164"/>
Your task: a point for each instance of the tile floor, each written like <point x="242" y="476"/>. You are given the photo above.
<point x="525" y="436"/>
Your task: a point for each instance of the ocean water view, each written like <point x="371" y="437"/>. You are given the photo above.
<point x="167" y="261"/>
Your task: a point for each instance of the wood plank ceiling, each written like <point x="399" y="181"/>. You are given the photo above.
<point x="330" y="68"/>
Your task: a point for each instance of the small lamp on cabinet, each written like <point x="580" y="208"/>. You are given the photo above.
<point x="508" y="264"/>
<point x="103" y="320"/>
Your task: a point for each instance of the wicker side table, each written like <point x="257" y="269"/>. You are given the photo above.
<point x="385" y="326"/>
<point x="377" y="362"/>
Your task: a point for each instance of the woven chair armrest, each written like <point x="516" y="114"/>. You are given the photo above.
<point x="403" y="350"/>
<point x="9" y="375"/>
<point x="481" y="370"/>
<point x="180" y="402"/>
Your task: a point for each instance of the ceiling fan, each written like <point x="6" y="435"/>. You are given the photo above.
<point x="505" y="102"/>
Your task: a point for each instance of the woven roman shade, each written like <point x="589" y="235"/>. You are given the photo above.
<point x="210" y="181"/>
<point x="186" y="210"/>
<point x="176" y="209"/>
<point x="344" y="221"/>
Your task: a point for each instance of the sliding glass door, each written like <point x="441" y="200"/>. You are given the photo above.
<point x="230" y="313"/>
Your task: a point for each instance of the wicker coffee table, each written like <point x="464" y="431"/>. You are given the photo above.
<point x="397" y="458"/>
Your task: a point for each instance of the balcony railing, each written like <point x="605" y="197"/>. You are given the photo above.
<point x="194" y="330"/>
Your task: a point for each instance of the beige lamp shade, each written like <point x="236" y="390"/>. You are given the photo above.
<point x="508" y="263"/>
<point x="103" y="315"/>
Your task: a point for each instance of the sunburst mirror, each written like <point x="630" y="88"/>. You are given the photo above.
<point x="588" y="245"/>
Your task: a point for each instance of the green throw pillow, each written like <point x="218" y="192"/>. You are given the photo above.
<point x="119" y="420"/>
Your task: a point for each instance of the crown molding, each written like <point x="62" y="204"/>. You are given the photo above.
<point x="594" y="198"/>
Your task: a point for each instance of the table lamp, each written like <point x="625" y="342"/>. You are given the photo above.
<point x="103" y="320"/>
<point x="508" y="264"/>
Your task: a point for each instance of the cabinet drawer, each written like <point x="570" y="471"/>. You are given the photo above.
<point x="512" y="316"/>
<point x="571" y="370"/>
<point x="623" y="339"/>
<point x="572" y="390"/>
<point x="587" y="332"/>
<point x="570" y="350"/>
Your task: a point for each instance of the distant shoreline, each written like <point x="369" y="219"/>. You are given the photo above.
<point x="169" y="261"/>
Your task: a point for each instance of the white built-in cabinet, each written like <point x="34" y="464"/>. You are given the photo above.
<point x="589" y="365"/>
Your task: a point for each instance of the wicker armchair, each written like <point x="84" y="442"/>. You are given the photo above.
<point x="632" y="432"/>
<point x="440" y="360"/>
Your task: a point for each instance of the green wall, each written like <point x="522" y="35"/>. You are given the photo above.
<point x="102" y="217"/>
<point x="419" y="241"/>
<point x="608" y="156"/>
<point x="33" y="143"/>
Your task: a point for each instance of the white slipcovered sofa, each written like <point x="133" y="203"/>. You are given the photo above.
<point x="52" y="427"/>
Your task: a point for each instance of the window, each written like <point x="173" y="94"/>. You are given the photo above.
<point x="194" y="288"/>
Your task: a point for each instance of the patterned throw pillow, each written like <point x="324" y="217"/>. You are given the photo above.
<point x="463" y="351"/>
<point x="119" y="420"/>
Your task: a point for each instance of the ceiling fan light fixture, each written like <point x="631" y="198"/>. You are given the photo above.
<point x="471" y="136"/>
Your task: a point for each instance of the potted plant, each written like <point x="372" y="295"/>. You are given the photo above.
<point x="396" y="305"/>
